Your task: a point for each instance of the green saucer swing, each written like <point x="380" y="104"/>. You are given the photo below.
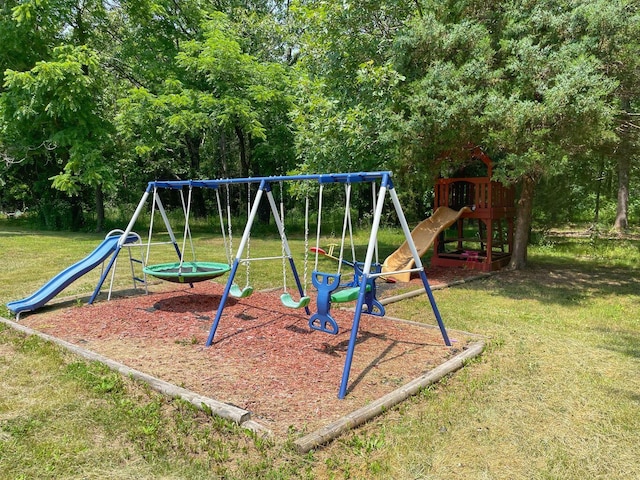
<point x="188" y="272"/>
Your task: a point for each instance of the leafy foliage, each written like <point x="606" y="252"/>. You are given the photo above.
<point x="53" y="110"/>
<point x="98" y="94"/>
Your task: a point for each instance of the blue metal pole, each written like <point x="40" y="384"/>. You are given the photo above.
<point x="298" y="283"/>
<point x="418" y="262"/>
<point x="385" y="183"/>
<point x="434" y="307"/>
<point x="352" y="339"/>
<point x="223" y="301"/>
<point x="236" y="262"/>
<point x="353" y="177"/>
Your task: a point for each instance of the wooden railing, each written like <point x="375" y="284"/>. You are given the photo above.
<point x="479" y="192"/>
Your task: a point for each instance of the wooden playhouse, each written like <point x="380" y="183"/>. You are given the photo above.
<point x="482" y="239"/>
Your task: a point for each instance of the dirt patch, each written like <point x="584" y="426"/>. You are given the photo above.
<point x="265" y="358"/>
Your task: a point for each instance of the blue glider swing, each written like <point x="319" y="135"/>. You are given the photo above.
<point x="328" y="285"/>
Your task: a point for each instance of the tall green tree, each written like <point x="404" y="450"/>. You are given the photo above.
<point x="53" y="111"/>
<point x="218" y="92"/>
<point x="558" y="104"/>
<point x="52" y="114"/>
<point x="346" y="87"/>
<point x="22" y="46"/>
<point x="510" y="77"/>
<point x="610" y="28"/>
<point x="148" y="71"/>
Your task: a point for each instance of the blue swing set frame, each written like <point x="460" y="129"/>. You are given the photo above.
<point x="366" y="272"/>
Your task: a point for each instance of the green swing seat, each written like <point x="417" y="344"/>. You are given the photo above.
<point x="237" y="292"/>
<point x="347" y="294"/>
<point x="288" y="301"/>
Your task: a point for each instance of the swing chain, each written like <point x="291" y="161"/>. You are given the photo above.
<point x="248" y="262"/>
<point x="318" y="226"/>
<point x="284" y="262"/>
<point x="306" y="242"/>
<point x="187" y="228"/>
<point x="230" y="252"/>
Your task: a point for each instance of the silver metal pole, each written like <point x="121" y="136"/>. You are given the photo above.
<point x="405" y="228"/>
<point x="375" y="226"/>
<point x="166" y="220"/>
<point x="252" y="216"/>
<point x="279" y="223"/>
<point x="135" y="216"/>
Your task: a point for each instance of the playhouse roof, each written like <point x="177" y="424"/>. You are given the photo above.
<point x="470" y="155"/>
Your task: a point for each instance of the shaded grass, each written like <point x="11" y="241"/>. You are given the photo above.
<point x="554" y="397"/>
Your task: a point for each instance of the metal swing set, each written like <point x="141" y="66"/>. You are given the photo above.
<point x="328" y="285"/>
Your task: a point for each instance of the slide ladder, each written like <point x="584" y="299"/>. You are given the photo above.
<point x="133" y="263"/>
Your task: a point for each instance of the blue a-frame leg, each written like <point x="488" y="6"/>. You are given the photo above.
<point x="262" y="189"/>
<point x="366" y="275"/>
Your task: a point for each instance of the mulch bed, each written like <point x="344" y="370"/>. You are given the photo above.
<point x="265" y="358"/>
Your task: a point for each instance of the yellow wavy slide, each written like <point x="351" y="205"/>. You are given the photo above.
<point x="423" y="237"/>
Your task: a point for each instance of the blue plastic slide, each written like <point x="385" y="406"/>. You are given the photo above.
<point x="67" y="276"/>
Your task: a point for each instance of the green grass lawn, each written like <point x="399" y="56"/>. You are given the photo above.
<point x="555" y="396"/>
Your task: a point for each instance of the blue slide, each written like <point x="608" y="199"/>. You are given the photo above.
<point x="61" y="281"/>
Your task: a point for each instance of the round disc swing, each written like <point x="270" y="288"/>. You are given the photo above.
<point x="187" y="272"/>
<point x="183" y="272"/>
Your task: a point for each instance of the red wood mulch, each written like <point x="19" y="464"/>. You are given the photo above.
<point x="265" y="358"/>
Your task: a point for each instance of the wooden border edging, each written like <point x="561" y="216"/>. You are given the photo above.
<point x="238" y="415"/>
<point x="358" y="417"/>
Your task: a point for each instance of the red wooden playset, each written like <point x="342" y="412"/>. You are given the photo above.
<point x="482" y="239"/>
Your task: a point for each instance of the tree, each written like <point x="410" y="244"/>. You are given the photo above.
<point x="557" y="107"/>
<point x="53" y="113"/>
<point x="219" y="92"/>
<point x="52" y="109"/>
<point x="607" y="27"/>
<point x="511" y="77"/>
<point x="346" y="87"/>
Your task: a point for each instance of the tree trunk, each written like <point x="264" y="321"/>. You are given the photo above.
<point x="622" y="222"/>
<point x="77" y="216"/>
<point x="596" y="212"/>
<point x="244" y="157"/>
<point x="223" y="155"/>
<point x="193" y="148"/>
<point x="624" y="168"/>
<point x="523" y="223"/>
<point x="99" y="198"/>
